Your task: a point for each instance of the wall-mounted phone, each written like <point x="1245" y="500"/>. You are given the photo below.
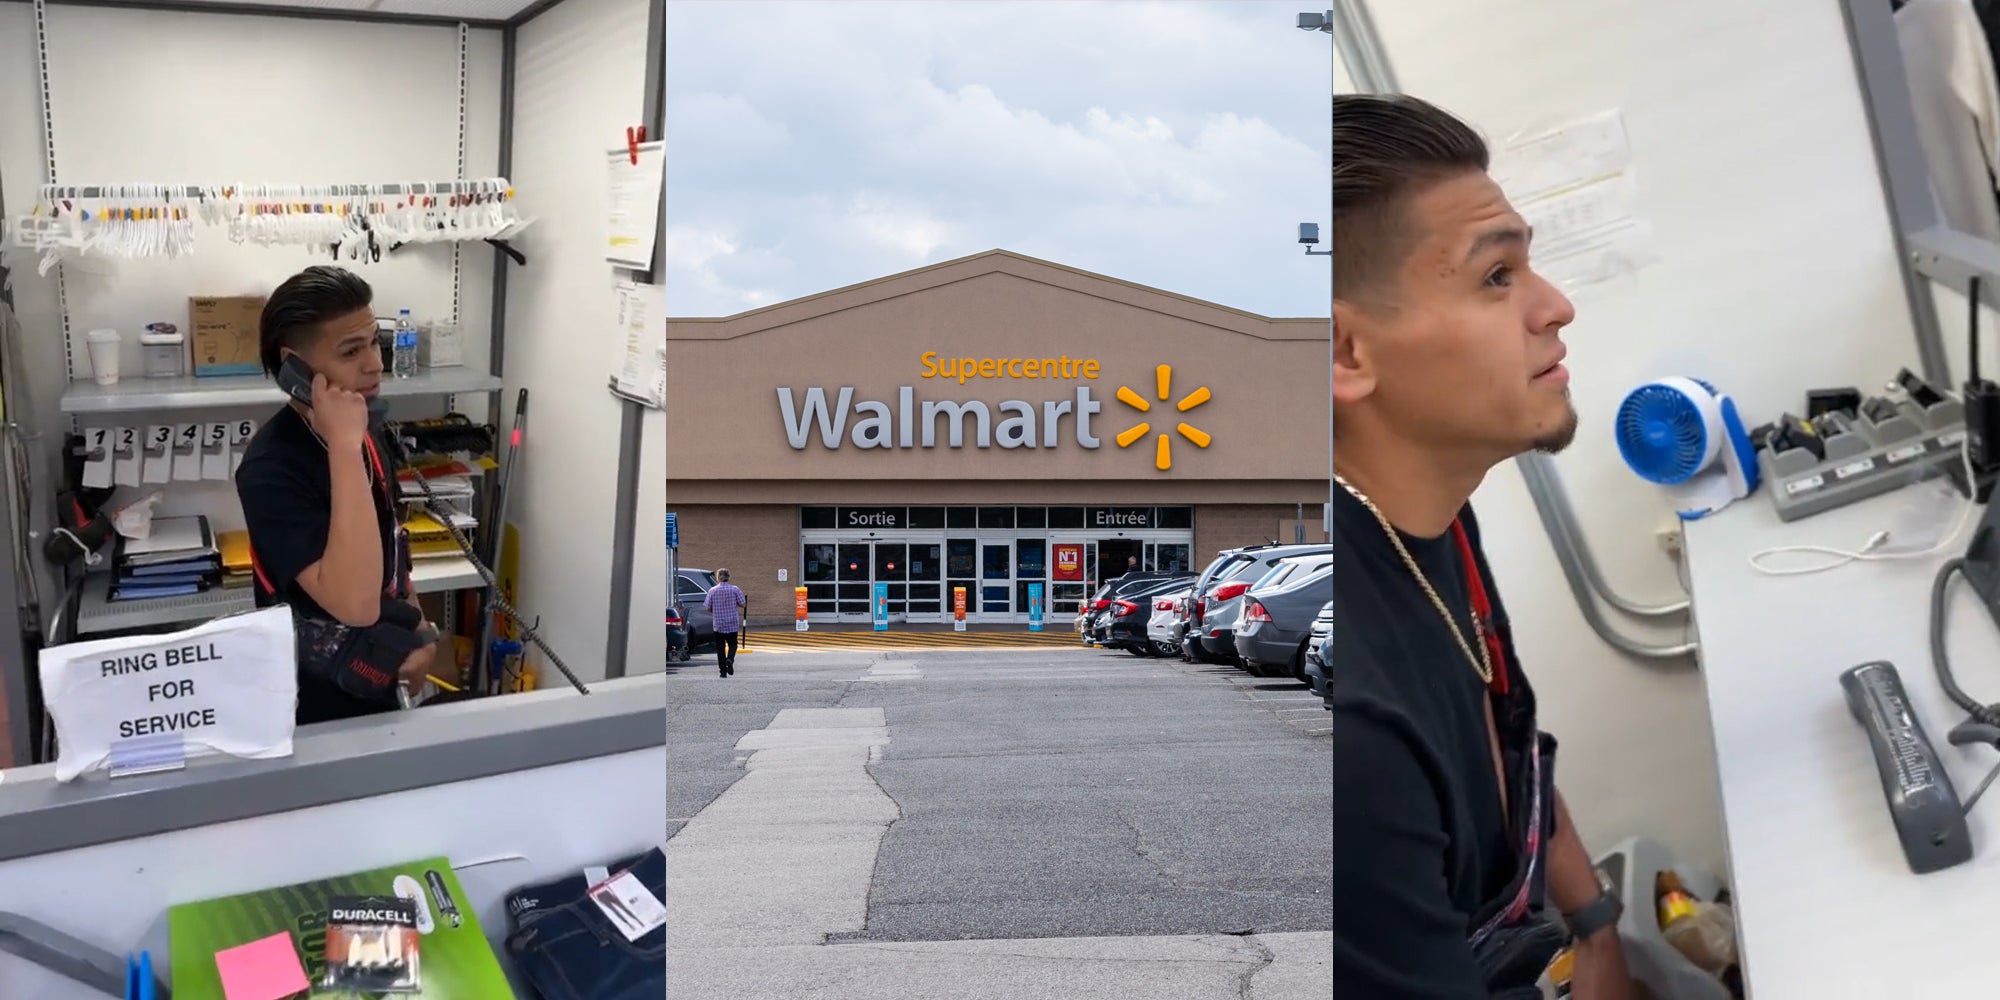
<point x="295" y="377"/>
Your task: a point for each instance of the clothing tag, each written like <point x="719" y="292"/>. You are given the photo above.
<point x="187" y="453"/>
<point x="97" y="458"/>
<point x="159" y="454"/>
<point x="128" y="457"/>
<point x="631" y="907"/>
<point x="215" y="452"/>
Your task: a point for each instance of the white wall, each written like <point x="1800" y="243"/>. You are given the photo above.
<point x="580" y="82"/>
<point x="224" y="98"/>
<point x="1759" y="180"/>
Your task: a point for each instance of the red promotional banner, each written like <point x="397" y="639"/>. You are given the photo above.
<point x="958" y="603"/>
<point x="1069" y="562"/>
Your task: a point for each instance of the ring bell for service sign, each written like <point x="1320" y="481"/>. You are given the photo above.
<point x="229" y="686"/>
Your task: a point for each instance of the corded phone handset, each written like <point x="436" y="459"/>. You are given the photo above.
<point x="295" y="377"/>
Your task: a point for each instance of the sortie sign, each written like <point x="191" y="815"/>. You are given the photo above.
<point x="228" y="686"/>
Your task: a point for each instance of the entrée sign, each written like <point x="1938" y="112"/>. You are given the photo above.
<point x="228" y="686"/>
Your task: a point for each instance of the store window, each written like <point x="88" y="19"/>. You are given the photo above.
<point x="927" y="518"/>
<point x="1031" y="517"/>
<point x="811" y="518"/>
<point x="1061" y="518"/>
<point x="961" y="517"/>
<point x="996" y="517"/>
<point x="1176" y="517"/>
<point x="817" y="572"/>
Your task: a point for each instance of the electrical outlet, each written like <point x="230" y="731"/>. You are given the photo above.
<point x="1669" y="538"/>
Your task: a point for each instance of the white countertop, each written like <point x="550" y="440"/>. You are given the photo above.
<point x="1826" y="905"/>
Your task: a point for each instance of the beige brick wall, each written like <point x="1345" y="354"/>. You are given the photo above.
<point x="1229" y="526"/>
<point x="753" y="542"/>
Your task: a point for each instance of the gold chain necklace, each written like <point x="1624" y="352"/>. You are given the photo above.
<point x="1482" y="662"/>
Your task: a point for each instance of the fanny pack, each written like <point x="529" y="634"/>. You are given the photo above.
<point x="361" y="662"/>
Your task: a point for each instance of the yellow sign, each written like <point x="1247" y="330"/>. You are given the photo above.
<point x="1163" y="455"/>
<point x="965" y="369"/>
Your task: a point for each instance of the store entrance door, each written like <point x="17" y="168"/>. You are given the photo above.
<point x="996" y="580"/>
<point x="1071" y="575"/>
<point x="855" y="571"/>
<point x="1118" y="556"/>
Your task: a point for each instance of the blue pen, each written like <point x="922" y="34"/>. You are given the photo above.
<point x="146" y="982"/>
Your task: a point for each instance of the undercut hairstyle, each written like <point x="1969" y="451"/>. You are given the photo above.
<point x="1387" y="150"/>
<point x="298" y="308"/>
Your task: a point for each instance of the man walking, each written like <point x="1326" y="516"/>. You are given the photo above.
<point x="726" y="602"/>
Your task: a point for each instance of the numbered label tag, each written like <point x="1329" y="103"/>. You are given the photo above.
<point x="215" y="452"/>
<point x="240" y="434"/>
<point x="159" y="448"/>
<point x="187" y="453"/>
<point x="97" y="460"/>
<point x="129" y="457"/>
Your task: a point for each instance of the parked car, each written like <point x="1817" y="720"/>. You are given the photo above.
<point x="691" y="587"/>
<point x="1277" y="616"/>
<point x="1168" y="622"/>
<point x="678" y="645"/>
<point x="1123" y="624"/>
<point x="1219" y="596"/>
<point x="1319" y="655"/>
<point x="1090" y="613"/>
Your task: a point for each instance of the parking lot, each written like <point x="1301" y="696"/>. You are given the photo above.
<point x="999" y="824"/>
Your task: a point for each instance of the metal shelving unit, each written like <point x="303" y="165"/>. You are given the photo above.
<point x="97" y="613"/>
<point x="136" y="395"/>
<point x="437" y="576"/>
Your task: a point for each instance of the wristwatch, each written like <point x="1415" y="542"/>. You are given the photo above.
<point x="1595" y="915"/>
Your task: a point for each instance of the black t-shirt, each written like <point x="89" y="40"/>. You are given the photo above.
<point x="287" y="497"/>
<point x="1420" y="841"/>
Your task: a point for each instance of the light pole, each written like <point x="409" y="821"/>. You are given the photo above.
<point x="1309" y="235"/>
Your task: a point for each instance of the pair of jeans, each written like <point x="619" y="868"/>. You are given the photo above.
<point x="725" y="649"/>
<point x="569" y="949"/>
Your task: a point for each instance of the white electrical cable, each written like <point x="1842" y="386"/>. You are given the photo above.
<point x="1867" y="552"/>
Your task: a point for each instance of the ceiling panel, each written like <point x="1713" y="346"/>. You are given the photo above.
<point x="311" y="4"/>
<point x="470" y="10"/>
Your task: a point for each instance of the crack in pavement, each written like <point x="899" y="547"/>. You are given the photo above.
<point x="868" y="898"/>
<point x="1265" y="959"/>
<point x="1139" y="846"/>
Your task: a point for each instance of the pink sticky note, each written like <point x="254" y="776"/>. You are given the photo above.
<point x="261" y="970"/>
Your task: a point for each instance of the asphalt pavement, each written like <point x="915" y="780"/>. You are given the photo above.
<point x="998" y="824"/>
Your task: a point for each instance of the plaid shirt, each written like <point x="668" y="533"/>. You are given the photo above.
<point x="726" y="601"/>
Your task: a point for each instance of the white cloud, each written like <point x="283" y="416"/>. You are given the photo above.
<point x="814" y="146"/>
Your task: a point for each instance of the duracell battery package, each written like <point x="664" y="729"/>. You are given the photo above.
<point x="371" y="945"/>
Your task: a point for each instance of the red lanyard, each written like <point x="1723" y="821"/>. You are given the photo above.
<point x="1482" y="610"/>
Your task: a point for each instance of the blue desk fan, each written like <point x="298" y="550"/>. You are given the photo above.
<point x="1686" y="436"/>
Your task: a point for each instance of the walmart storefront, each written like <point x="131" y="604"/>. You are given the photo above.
<point x="988" y="423"/>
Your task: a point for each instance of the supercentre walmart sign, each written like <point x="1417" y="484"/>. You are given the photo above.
<point x="910" y="423"/>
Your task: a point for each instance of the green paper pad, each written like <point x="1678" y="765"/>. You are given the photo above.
<point x="458" y="963"/>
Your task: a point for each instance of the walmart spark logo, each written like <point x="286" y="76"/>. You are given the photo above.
<point x="1163" y="456"/>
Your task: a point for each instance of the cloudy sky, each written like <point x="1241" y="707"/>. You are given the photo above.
<point x="815" y="145"/>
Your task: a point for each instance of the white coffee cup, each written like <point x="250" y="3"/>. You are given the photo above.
<point x="103" y="345"/>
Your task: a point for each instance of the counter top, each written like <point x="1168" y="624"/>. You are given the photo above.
<point x="334" y="762"/>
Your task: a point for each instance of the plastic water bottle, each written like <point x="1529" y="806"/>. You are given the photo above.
<point x="406" y="346"/>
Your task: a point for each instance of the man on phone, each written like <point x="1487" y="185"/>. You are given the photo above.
<point x="319" y="496"/>
<point x="726" y="602"/>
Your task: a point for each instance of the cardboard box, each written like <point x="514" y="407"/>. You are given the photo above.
<point x="440" y="345"/>
<point x="222" y="330"/>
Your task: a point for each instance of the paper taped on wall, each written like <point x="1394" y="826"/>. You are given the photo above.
<point x="1574" y="184"/>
